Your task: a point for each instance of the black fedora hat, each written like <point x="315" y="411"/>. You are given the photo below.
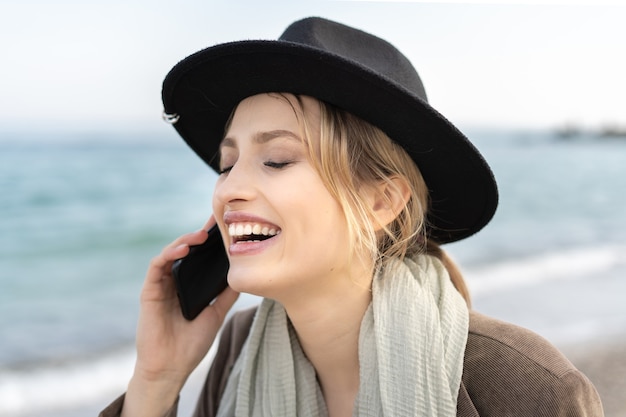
<point x="352" y="70"/>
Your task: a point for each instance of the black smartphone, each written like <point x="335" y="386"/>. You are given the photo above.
<point x="201" y="275"/>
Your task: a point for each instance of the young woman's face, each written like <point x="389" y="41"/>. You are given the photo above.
<point x="285" y="234"/>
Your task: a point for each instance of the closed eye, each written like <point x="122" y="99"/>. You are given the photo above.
<point x="276" y="165"/>
<point x="225" y="170"/>
<point x="270" y="164"/>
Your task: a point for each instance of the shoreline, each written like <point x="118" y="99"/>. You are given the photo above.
<point x="603" y="361"/>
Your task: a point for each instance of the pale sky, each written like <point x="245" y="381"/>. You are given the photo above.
<point x="100" y="64"/>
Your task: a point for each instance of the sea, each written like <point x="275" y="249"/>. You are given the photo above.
<point x="82" y="213"/>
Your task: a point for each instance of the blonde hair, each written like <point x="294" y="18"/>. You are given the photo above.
<point x="353" y="154"/>
<point x="348" y="165"/>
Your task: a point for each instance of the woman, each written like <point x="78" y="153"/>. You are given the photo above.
<point x="337" y="183"/>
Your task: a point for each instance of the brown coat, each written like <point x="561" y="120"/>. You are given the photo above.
<point x="508" y="371"/>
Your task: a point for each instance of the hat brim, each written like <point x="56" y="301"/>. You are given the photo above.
<point x="204" y="88"/>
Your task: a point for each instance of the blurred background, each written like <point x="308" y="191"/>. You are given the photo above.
<point x="93" y="183"/>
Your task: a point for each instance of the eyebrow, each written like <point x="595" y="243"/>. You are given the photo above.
<point x="263" y="137"/>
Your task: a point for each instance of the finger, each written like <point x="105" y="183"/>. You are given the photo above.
<point x="168" y="255"/>
<point x="210" y="223"/>
<point x="158" y="283"/>
<point x="194" y="238"/>
<point x="158" y="277"/>
<point x="224" y="302"/>
<point x="216" y="312"/>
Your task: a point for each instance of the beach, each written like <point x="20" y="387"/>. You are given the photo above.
<point x="81" y="216"/>
<point x="604" y="363"/>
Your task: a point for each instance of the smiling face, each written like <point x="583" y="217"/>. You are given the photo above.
<point x="285" y="234"/>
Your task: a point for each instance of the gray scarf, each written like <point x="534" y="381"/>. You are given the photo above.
<point x="411" y="345"/>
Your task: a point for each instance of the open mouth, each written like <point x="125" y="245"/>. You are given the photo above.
<point x="251" y="232"/>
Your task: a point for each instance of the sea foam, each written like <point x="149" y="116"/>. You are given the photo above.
<point x="37" y="391"/>
<point x="53" y="387"/>
<point x="534" y="270"/>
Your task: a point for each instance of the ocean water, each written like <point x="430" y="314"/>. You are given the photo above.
<point x="81" y="216"/>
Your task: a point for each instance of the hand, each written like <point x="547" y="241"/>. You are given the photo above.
<point x="169" y="347"/>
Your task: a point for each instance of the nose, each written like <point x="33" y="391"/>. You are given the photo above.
<point x="237" y="185"/>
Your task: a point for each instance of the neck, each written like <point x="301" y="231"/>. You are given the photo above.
<point x="328" y="328"/>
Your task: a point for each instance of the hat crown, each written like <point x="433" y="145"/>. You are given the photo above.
<point x="352" y="44"/>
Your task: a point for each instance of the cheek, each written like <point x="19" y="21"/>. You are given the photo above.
<point x="319" y="218"/>
<point x="214" y="200"/>
<point x="218" y="209"/>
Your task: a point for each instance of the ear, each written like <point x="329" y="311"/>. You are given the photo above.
<point x="387" y="200"/>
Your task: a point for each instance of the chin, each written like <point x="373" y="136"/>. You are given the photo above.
<point x="250" y="281"/>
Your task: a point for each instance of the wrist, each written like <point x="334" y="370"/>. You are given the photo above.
<point x="150" y="397"/>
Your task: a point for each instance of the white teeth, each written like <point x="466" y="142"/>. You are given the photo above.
<point x="243" y="229"/>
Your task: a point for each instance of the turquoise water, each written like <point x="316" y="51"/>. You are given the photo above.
<point x="81" y="216"/>
<point x="78" y="224"/>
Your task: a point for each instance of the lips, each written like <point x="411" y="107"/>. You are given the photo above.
<point x="251" y="232"/>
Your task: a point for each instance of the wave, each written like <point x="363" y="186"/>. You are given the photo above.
<point x="39" y="390"/>
<point x="53" y="387"/>
<point x="83" y="384"/>
<point x="534" y="270"/>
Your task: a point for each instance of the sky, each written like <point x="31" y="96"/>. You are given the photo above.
<point x="99" y="64"/>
